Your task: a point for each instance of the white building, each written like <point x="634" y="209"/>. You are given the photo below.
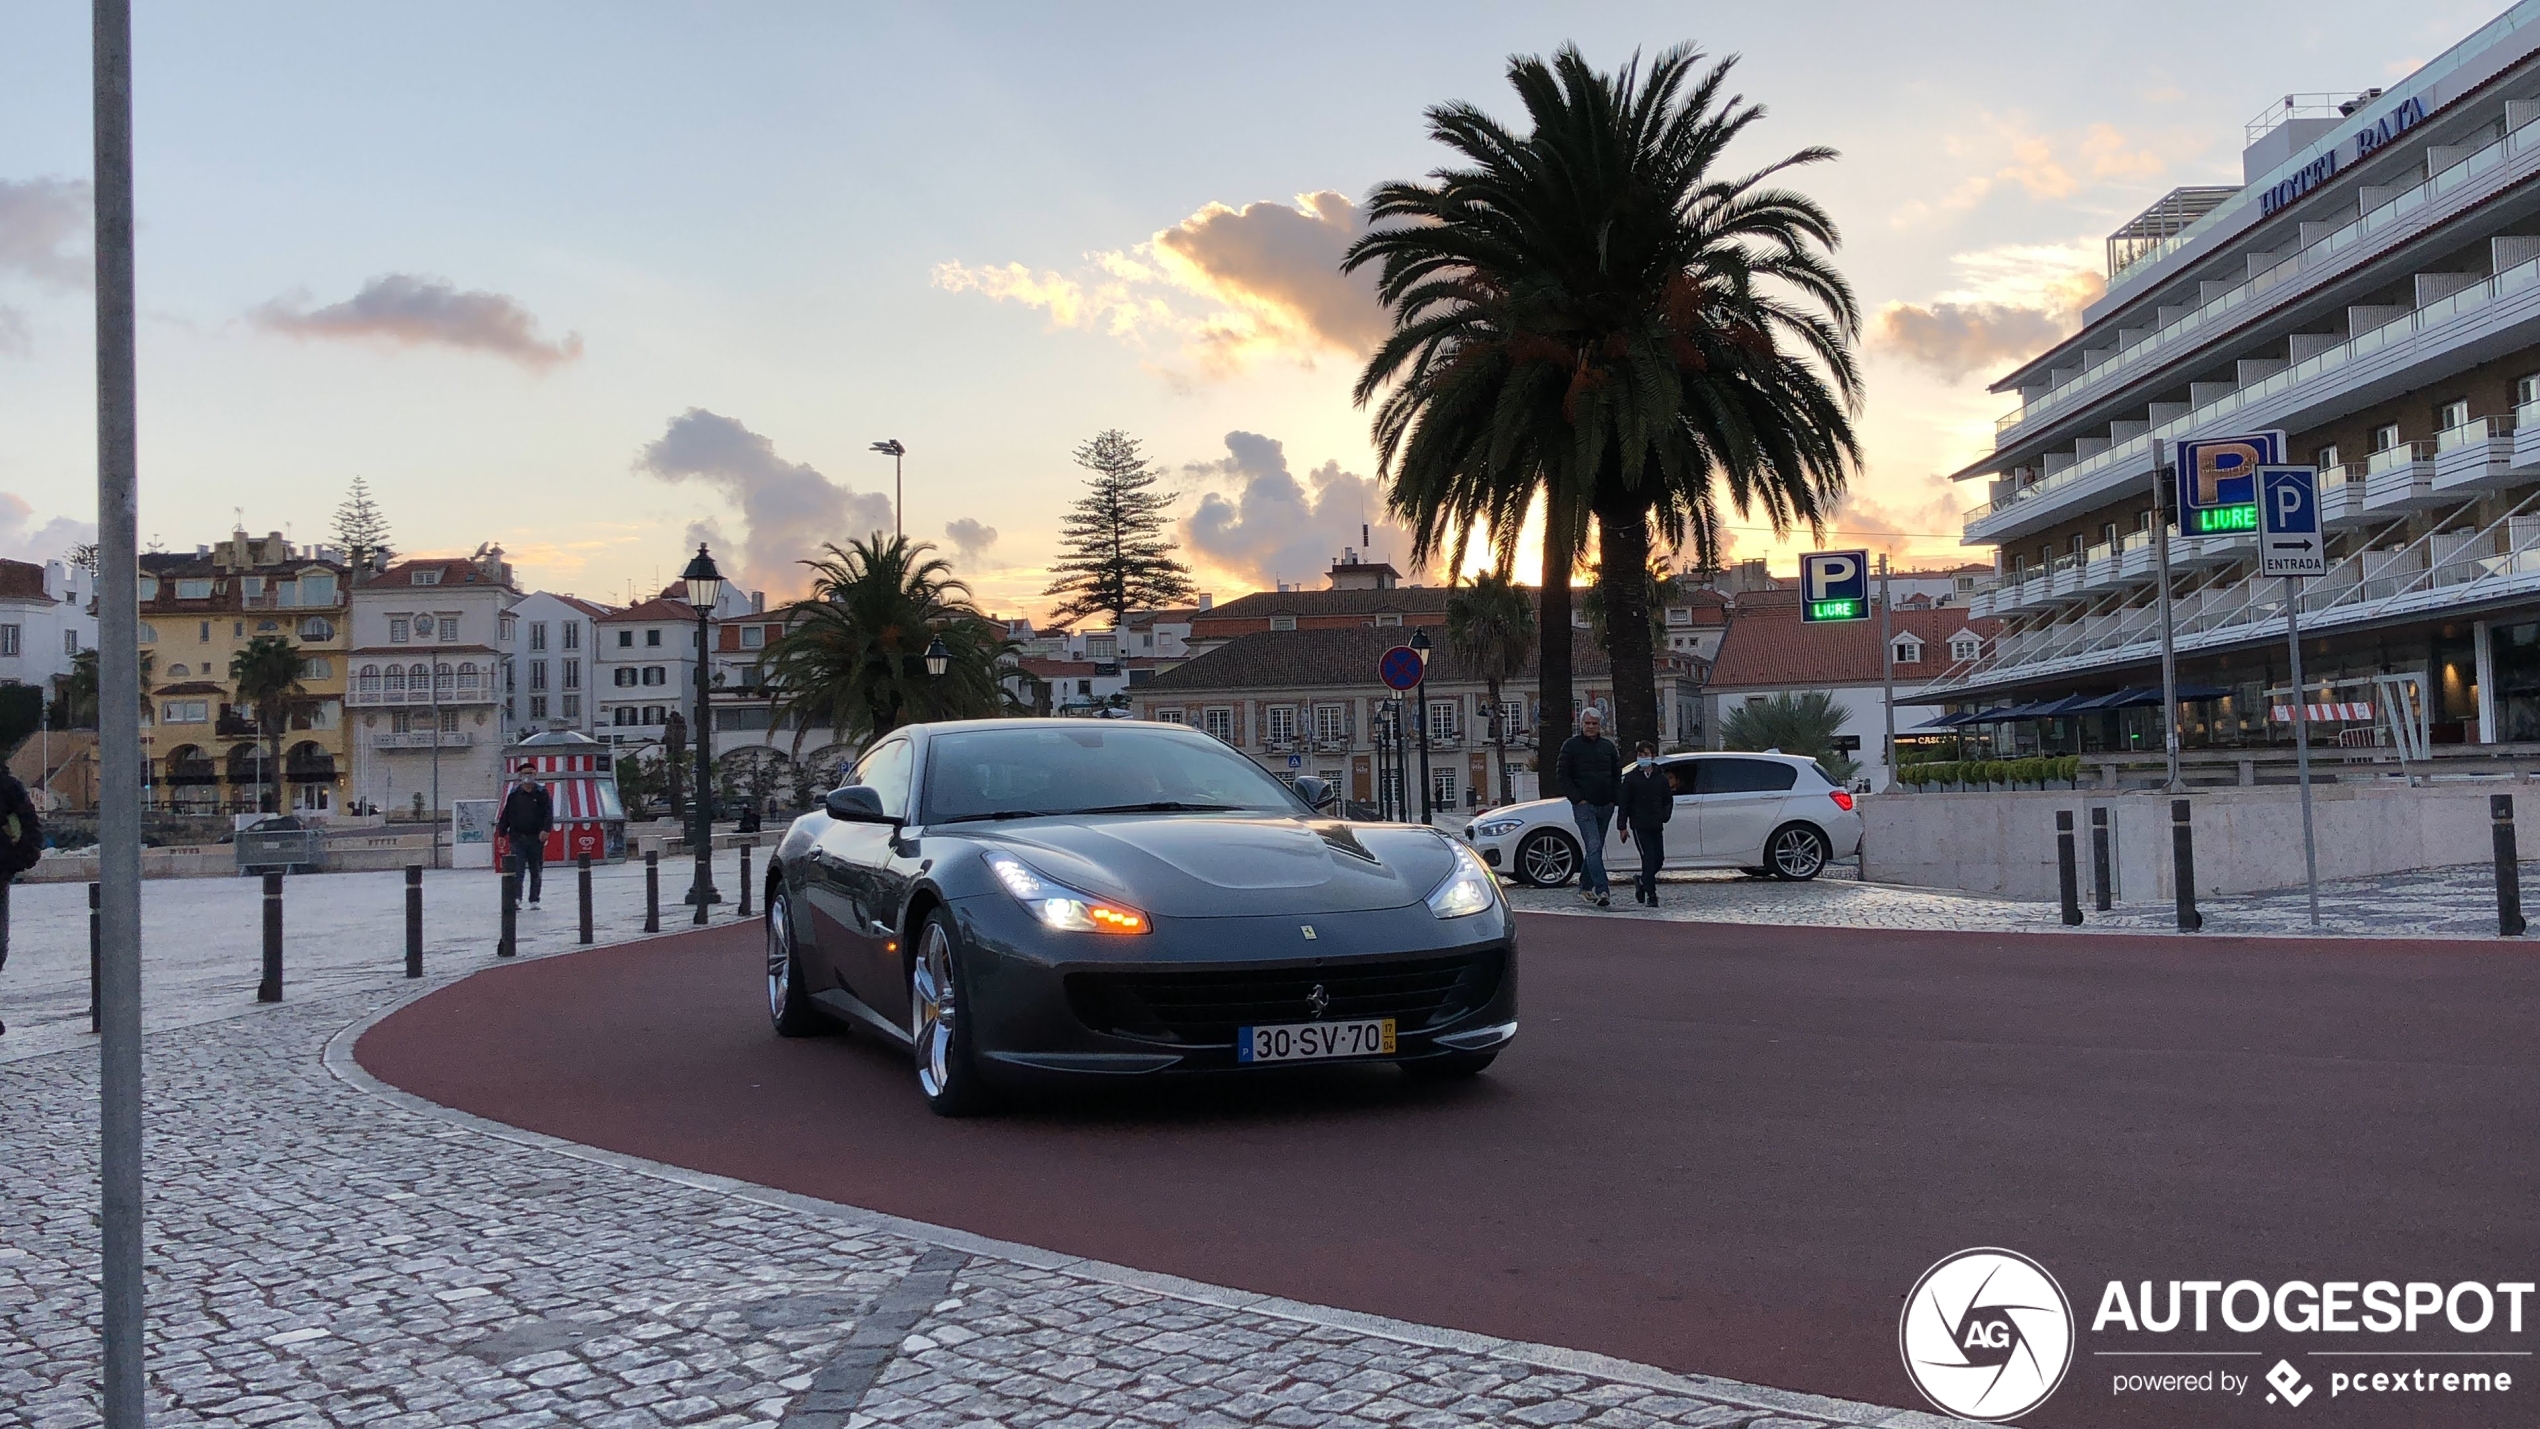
<point x="554" y="653"/>
<point x="48" y="614"/>
<point x="431" y="666"/>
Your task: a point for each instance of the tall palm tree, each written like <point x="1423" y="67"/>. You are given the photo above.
<point x="1593" y="309"/>
<point x="266" y="674"/>
<point x="1490" y="625"/>
<point x="854" y="656"/>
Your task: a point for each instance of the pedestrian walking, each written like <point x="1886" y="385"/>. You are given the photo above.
<point x="21" y="846"/>
<point x="1591" y="771"/>
<point x="528" y="812"/>
<point x="1641" y="811"/>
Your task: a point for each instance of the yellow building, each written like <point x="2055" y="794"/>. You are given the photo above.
<point x="202" y="746"/>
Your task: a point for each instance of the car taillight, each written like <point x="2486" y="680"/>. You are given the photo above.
<point x="1842" y="799"/>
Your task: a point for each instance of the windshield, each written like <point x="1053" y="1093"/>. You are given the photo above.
<point x="979" y="774"/>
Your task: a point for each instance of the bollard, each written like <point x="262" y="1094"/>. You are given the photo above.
<point x="96" y="957"/>
<point x="582" y="870"/>
<point x="507" y="943"/>
<point x="414" y="920"/>
<point x="2100" y="874"/>
<point x="746" y="846"/>
<point x="2067" y="877"/>
<point x="652" y="890"/>
<point x="2509" y="924"/>
<point x="270" y="990"/>
<point x="2183" y="868"/>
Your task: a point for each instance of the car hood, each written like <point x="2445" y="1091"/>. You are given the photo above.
<point x="1199" y="866"/>
<point x="1532" y="811"/>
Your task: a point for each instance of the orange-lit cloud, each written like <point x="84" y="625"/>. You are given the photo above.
<point x="2006" y="155"/>
<point x="2010" y="303"/>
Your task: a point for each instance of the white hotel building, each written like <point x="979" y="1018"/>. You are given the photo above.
<point x="2372" y="290"/>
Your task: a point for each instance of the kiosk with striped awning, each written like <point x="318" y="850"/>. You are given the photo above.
<point x="582" y="776"/>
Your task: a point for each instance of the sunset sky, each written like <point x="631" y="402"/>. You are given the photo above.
<point x="586" y="279"/>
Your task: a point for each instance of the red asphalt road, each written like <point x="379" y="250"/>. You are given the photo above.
<point x="1724" y="1150"/>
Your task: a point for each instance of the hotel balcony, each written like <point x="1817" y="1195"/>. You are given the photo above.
<point x="2476" y="456"/>
<point x="2401" y="479"/>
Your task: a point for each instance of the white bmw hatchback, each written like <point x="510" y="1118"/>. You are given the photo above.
<point x="1775" y="814"/>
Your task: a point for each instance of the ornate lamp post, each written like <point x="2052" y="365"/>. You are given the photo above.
<point x="705" y="587"/>
<point x="891" y="448"/>
<point x="938" y="659"/>
<point x="1421" y="646"/>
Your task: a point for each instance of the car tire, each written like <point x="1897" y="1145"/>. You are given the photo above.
<point x="1451" y="1067"/>
<point x="1798" y="852"/>
<point x="947" y="1070"/>
<point x="1546" y="858"/>
<point x="789" y="1008"/>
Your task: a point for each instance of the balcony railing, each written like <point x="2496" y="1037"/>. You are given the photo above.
<point x="450" y="695"/>
<point x="2131" y="360"/>
<point x="422" y="739"/>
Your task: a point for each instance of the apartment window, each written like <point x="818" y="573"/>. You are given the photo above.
<point x="2108" y="535"/>
<point x="572" y="635"/>
<point x="184" y="712"/>
<point x="9" y="635"/>
<point x="315" y="628"/>
<point x="1512" y="718"/>
<point x="625" y="716"/>
<point x="2454" y="413"/>
<point x="572" y="674"/>
<point x="1442" y="720"/>
<point x="1085" y="687"/>
<point x="1442" y="786"/>
<point x="396" y="681"/>
<point x="238" y="628"/>
<point x="537" y="706"/>
<point x="1965" y="647"/>
<point x="626" y="640"/>
<point x="1218" y="724"/>
<point x="449" y="721"/>
<point x="468" y="682"/>
<point x="1281" y="722"/>
<point x="2143" y="519"/>
<point x="423" y="578"/>
<point x="753" y="637"/>
<point x="193" y="590"/>
<point x="1680" y="615"/>
<point x="398" y="626"/>
<point x="656" y="714"/>
<point x="537" y="674"/>
<point x="1331" y="722"/>
<point x="149" y="633"/>
<point x="2327" y="459"/>
<point x="656" y="675"/>
<point x="401" y="721"/>
<point x="537" y="635"/>
<point x="252" y="587"/>
<point x="2385" y="436"/>
<point x="267" y="627"/>
<point x="319" y="669"/>
<point x="1908" y="651"/>
<point x="2080" y="544"/>
<point x="1283" y="622"/>
<point x="317" y="589"/>
<point x="203" y="632"/>
<point x="622" y="676"/>
<point x="70" y="642"/>
<point x="652" y="637"/>
<point x="573" y="707"/>
<point x="449" y="629"/>
<point x="1167" y="716"/>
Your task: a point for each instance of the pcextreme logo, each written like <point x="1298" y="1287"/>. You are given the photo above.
<point x="1986" y="1334"/>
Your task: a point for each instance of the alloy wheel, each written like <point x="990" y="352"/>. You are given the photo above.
<point x="1546" y="860"/>
<point x="1798" y="853"/>
<point x="780" y="955"/>
<point x="931" y="1011"/>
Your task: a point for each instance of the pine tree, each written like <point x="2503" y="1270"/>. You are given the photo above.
<point x="1112" y="553"/>
<point x="361" y="528"/>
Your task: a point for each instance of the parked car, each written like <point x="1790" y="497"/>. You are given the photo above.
<point x="1775" y="814"/>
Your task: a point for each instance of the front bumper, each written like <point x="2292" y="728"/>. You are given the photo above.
<point x="1045" y="1003"/>
<point x="1497" y="850"/>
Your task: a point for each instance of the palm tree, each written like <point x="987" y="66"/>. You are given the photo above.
<point x="1593" y="604"/>
<point x="854" y="657"/>
<point x="266" y="674"/>
<point x="1589" y="308"/>
<point x="75" y="693"/>
<point x="1490" y="625"/>
<point x="1805" y="723"/>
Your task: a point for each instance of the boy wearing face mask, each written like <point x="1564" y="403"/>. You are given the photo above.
<point x="1641" y="810"/>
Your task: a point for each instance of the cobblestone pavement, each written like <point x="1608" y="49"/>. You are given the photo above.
<point x="2458" y="902"/>
<point x="325" y="1251"/>
<point x="202" y="938"/>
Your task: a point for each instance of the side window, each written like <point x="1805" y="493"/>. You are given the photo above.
<point x="1745" y="776"/>
<point x="1681" y="776"/>
<point x="886" y="769"/>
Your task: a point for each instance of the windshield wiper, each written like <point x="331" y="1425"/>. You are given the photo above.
<point x="1164" y="806"/>
<point x="999" y="816"/>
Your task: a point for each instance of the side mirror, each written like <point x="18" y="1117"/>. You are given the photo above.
<point x="855" y="804"/>
<point x="1317" y="793"/>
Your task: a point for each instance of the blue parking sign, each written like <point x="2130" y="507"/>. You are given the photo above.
<point x="2290" y="542"/>
<point x="1834" y="585"/>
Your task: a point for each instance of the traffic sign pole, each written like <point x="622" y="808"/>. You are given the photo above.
<point x="2291" y="545"/>
<point x="2169" y="635"/>
<point x="2302" y="738"/>
<point x="1887" y="673"/>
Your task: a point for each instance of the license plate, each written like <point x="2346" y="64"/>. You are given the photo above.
<point x="1314" y="1041"/>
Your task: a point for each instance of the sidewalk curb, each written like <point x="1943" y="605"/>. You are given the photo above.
<point x="340" y="1063"/>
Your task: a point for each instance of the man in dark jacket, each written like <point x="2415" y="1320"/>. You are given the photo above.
<point x="528" y="812"/>
<point x="1641" y="812"/>
<point x="21" y="847"/>
<point x="1591" y="773"/>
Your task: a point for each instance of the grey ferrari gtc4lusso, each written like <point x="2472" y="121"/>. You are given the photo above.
<point x="1020" y="899"/>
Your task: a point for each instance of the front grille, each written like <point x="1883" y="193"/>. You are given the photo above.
<point x="1203" y="1008"/>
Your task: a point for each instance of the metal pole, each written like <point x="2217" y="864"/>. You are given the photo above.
<point x="96" y="955"/>
<point x="118" y="721"/>
<point x="701" y="892"/>
<point x="270" y="990"/>
<point x="582" y="876"/>
<point x="507" y="942"/>
<point x="899" y="497"/>
<point x="652" y="890"/>
<point x="1427" y="815"/>
<point x="2183" y="868"/>
<point x="2099" y="870"/>
<point x="2302" y="741"/>
<point x="435" y="678"/>
<point x="1887" y="673"/>
<point x="2509" y="923"/>
<point x="2067" y="873"/>
<point x="414" y="920"/>
<point x="746" y="846"/>
<point x="2169" y="634"/>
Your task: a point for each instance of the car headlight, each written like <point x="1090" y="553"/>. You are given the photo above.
<point x="1059" y="906"/>
<point x="1470" y="889"/>
<point x="1499" y="828"/>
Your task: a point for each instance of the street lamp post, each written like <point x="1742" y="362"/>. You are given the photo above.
<point x="705" y="587"/>
<point x="1421" y="646"/>
<point x="890" y="447"/>
<point x="938" y="658"/>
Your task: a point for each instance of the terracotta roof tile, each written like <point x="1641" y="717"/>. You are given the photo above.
<point x="1768" y="647"/>
<point x="1337" y="658"/>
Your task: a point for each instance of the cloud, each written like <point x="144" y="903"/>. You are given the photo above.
<point x="1272" y="526"/>
<point x="16" y="338"/>
<point x="1223" y="289"/>
<point x="970" y="540"/>
<point x="2010" y="302"/>
<point x="409" y="311"/>
<point x="24" y="539"/>
<point x="41" y="224"/>
<point x="2007" y="155"/>
<point x="1920" y="518"/>
<point x="787" y="508"/>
